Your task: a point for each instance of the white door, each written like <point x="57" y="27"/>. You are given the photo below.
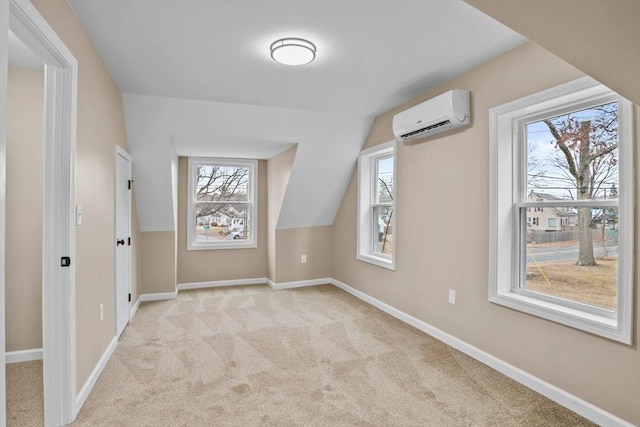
<point x="123" y="239"/>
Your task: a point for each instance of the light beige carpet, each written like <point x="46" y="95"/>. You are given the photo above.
<point x="25" y="403"/>
<point x="250" y="356"/>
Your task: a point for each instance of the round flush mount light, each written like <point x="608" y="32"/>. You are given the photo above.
<point x="293" y="51"/>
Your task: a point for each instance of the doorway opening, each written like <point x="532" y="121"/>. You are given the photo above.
<point x="58" y="195"/>
<point x="23" y="237"/>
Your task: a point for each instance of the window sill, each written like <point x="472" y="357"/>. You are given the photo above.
<point x="221" y="245"/>
<point x="578" y="319"/>
<point x="387" y="263"/>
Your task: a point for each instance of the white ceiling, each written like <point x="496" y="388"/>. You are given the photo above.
<point x="371" y="56"/>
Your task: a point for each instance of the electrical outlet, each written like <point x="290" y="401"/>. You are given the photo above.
<point x="303" y="259"/>
<point x="101" y="312"/>
<point x="452" y="296"/>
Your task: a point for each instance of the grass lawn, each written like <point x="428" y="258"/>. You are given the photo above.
<point x="595" y="285"/>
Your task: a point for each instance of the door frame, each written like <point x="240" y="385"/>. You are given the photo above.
<point x="120" y="152"/>
<point x="58" y="283"/>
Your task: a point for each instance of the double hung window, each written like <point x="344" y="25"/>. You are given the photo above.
<point x="561" y="232"/>
<point x="376" y="205"/>
<point x="222" y="196"/>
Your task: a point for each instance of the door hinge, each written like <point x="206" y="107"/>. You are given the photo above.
<point x="129" y="297"/>
<point x="129" y="241"/>
<point x="65" y="261"/>
<point x="129" y="183"/>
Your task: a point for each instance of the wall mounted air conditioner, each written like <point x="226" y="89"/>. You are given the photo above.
<point x="440" y="114"/>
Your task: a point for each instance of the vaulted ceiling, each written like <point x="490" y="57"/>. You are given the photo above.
<point x="197" y="79"/>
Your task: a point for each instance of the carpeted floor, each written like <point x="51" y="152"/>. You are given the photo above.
<point x="249" y="355"/>
<point x="25" y="404"/>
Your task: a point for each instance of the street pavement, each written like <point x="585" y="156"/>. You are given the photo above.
<point x="564" y="253"/>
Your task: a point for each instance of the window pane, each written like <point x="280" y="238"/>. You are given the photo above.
<point x="222" y="183"/>
<point x="219" y="221"/>
<point x="574" y="156"/>
<point x="384" y="180"/>
<point x="383" y="231"/>
<point x="577" y="261"/>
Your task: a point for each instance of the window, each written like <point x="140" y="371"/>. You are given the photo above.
<point x="566" y="152"/>
<point x="222" y="203"/>
<point x="376" y="205"/>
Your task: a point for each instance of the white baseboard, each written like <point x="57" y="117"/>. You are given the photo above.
<point x="220" y="283"/>
<point x="159" y="296"/>
<point x="23" y="355"/>
<point x="135" y="308"/>
<point x="568" y="400"/>
<point x="95" y="374"/>
<point x="300" y="283"/>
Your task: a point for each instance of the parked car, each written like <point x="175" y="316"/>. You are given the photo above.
<point x="235" y="235"/>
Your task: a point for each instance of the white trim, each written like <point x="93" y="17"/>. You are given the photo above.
<point x="121" y="151"/>
<point x="135" y="307"/>
<point x="252" y="240"/>
<point x="58" y="296"/>
<point x="566" y="399"/>
<point x="507" y="194"/>
<point x="4" y="77"/>
<point x="221" y="283"/>
<point x="365" y="228"/>
<point x="299" y="283"/>
<point x="236" y="282"/>
<point x="23" y="355"/>
<point x="161" y="296"/>
<point x="95" y="374"/>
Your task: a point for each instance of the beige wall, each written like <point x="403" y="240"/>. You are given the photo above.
<point x="601" y="38"/>
<point x="314" y="242"/>
<point x="432" y="258"/>
<point x="278" y="172"/>
<point x="221" y="264"/>
<point x="158" y="262"/>
<point x="100" y="127"/>
<point x="25" y="168"/>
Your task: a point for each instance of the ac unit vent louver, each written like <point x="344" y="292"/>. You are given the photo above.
<point x="426" y="129"/>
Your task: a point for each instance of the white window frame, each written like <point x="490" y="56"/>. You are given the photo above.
<point x="505" y="123"/>
<point x="252" y="241"/>
<point x="367" y="179"/>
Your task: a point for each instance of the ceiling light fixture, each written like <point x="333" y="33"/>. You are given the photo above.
<point x="293" y="51"/>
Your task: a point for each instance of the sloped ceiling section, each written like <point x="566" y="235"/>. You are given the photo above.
<point x="579" y="31"/>
<point x="205" y="84"/>
<point x="160" y="129"/>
